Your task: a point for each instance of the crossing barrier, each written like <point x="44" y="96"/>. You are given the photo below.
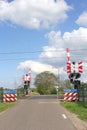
<point x="9" y="95"/>
<point x="70" y="95"/>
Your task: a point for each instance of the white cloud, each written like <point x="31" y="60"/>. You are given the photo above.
<point x="34" y="13"/>
<point x="75" y="40"/>
<point x="82" y="20"/>
<point x="54" y="57"/>
<point x="55" y="52"/>
<point x="36" y="67"/>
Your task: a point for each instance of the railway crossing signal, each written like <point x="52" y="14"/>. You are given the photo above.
<point x="26" y="80"/>
<point x="73" y="71"/>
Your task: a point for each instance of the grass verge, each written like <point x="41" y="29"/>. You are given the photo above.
<point x="6" y="105"/>
<point x="76" y="107"/>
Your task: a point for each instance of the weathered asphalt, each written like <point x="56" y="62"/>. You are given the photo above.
<point x="36" y="113"/>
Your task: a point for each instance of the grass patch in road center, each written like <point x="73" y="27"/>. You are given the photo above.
<point x="77" y="108"/>
<point x="6" y="105"/>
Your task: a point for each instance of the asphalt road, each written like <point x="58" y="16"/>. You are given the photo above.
<point x="37" y="113"/>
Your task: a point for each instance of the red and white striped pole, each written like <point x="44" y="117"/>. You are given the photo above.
<point x="68" y="54"/>
<point x="29" y="75"/>
<point x="68" y="62"/>
<point x="80" y="67"/>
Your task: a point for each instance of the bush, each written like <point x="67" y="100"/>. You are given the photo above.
<point x="45" y="91"/>
<point x="41" y="90"/>
<point x="20" y="92"/>
<point x="53" y="91"/>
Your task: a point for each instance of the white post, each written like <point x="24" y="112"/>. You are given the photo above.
<point x="57" y="91"/>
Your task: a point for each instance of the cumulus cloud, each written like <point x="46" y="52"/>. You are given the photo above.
<point x="54" y="57"/>
<point x="76" y="39"/>
<point x="56" y="50"/>
<point x="54" y="53"/>
<point x="36" y="67"/>
<point x="82" y="20"/>
<point x="35" y="13"/>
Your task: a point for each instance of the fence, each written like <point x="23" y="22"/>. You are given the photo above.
<point x="82" y="94"/>
<point x="1" y="94"/>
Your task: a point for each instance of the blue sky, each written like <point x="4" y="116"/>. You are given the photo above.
<point x="35" y="34"/>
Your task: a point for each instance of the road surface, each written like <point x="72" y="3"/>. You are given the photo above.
<point x="37" y="113"/>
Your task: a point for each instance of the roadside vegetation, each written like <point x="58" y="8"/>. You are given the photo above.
<point x="6" y="105"/>
<point x="79" y="108"/>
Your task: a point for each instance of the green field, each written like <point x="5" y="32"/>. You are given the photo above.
<point x="4" y="106"/>
<point x="76" y="107"/>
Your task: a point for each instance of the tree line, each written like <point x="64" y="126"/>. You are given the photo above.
<point x="47" y="83"/>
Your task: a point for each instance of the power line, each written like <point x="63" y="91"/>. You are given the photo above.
<point x="33" y="58"/>
<point x="30" y="58"/>
<point x="39" y="51"/>
<point x="10" y="53"/>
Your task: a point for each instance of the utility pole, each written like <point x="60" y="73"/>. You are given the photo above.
<point x="58" y="83"/>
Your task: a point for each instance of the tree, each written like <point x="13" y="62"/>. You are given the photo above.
<point x="45" y="82"/>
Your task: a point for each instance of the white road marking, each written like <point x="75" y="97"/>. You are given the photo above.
<point x="64" y="116"/>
